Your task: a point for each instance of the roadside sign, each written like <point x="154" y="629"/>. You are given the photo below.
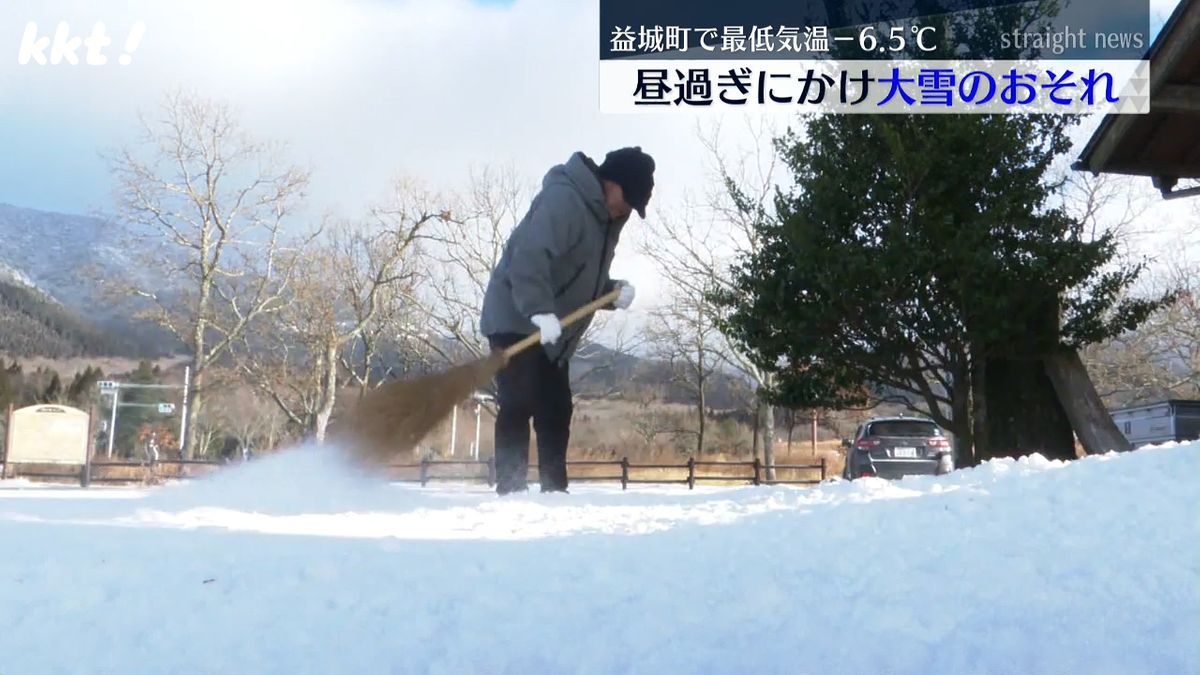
<point x="166" y="408"/>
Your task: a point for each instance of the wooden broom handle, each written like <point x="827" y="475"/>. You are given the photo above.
<point x="531" y="340"/>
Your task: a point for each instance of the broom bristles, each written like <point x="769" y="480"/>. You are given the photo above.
<point x="393" y="418"/>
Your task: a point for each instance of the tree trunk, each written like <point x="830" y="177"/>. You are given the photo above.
<point x="328" y="392"/>
<point x="1024" y="415"/>
<point x="700" y="401"/>
<point x="979" y="409"/>
<point x="964" y="446"/>
<point x="768" y="432"/>
<point x="754" y="435"/>
<point x="1095" y="427"/>
<point x="204" y="441"/>
<point x="194" y="403"/>
<point x="961" y="415"/>
<point x="199" y="357"/>
<point x="368" y="349"/>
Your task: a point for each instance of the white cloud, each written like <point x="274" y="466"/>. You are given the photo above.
<point x="361" y="89"/>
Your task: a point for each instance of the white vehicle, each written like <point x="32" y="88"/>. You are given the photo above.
<point x="1163" y="422"/>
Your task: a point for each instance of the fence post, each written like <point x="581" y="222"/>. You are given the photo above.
<point x="624" y="473"/>
<point x="691" y="473"/>
<point x="491" y="464"/>
<point x="7" y="443"/>
<point x="87" y="461"/>
<point x="757" y="467"/>
<point x="424" y="471"/>
<point x="822" y="468"/>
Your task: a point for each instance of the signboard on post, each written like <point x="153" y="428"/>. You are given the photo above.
<point x="49" y="434"/>
<point x="166" y="408"/>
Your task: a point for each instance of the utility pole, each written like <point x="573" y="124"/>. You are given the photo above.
<point x="478" y="397"/>
<point x="475" y="444"/>
<point x="112" y="422"/>
<point x="814" y="432"/>
<point x="112" y="388"/>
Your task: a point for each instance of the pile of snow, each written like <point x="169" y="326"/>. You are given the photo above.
<point x="296" y="564"/>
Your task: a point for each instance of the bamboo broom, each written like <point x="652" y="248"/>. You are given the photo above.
<point x="395" y="417"/>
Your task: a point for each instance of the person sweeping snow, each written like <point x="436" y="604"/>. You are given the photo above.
<point x="555" y="260"/>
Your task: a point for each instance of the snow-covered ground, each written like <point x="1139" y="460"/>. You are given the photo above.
<point x="292" y="565"/>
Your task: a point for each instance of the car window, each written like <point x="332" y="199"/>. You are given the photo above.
<point x="904" y="428"/>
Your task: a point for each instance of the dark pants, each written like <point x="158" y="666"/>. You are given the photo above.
<point x="531" y="387"/>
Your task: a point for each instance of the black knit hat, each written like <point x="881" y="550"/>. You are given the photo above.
<point x="633" y="170"/>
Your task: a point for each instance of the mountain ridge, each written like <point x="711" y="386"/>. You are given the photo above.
<point x="51" y="300"/>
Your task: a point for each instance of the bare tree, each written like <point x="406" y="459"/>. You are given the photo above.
<point x="790" y="420"/>
<point x="696" y="252"/>
<point x="1162" y="357"/>
<point x="1133" y="368"/>
<point x="245" y="415"/>
<point x="600" y="370"/>
<point x="651" y="420"/>
<point x="393" y="335"/>
<point x="1105" y="203"/>
<point x="390" y="343"/>
<point x="335" y="297"/>
<point x="209" y="431"/>
<point x="684" y="335"/>
<point x="464" y="249"/>
<point x="209" y="205"/>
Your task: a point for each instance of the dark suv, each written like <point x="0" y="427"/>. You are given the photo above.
<point x="891" y="447"/>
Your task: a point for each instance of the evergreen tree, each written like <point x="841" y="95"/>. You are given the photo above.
<point x="6" y="389"/>
<point x="54" y="391"/>
<point x="916" y="255"/>
<point x="83" y="392"/>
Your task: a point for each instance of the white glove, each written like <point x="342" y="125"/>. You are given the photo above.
<point x="625" y="299"/>
<point x="550" y="327"/>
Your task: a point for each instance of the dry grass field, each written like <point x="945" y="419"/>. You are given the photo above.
<point x="658" y="434"/>
<point x="68" y="368"/>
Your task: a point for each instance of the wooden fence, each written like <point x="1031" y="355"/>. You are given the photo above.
<point x="104" y="471"/>
<point x="623" y="471"/>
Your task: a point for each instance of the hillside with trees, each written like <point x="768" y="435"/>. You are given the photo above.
<point x="33" y="324"/>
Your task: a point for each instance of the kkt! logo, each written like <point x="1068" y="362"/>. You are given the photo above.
<point x="64" y="46"/>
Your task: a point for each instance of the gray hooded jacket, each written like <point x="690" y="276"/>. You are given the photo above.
<point x="556" y="259"/>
